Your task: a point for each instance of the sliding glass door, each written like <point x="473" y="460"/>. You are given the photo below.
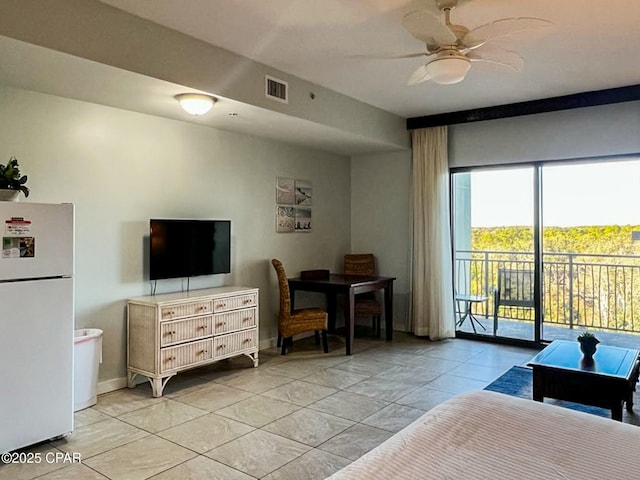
<point x="545" y="251"/>
<point x="591" y="240"/>
<point x="493" y="237"/>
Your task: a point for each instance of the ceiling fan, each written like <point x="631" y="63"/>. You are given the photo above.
<point x="452" y="48"/>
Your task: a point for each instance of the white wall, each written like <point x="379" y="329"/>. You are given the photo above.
<point x="380" y="219"/>
<point x="120" y="168"/>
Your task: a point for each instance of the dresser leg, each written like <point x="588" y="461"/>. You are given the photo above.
<point x="254" y="357"/>
<point x="131" y="377"/>
<point x="158" y="384"/>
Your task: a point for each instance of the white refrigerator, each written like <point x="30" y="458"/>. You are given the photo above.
<point x="36" y="322"/>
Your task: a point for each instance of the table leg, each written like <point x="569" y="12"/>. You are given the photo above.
<point x="461" y="321"/>
<point x="632" y="386"/>
<point x="538" y="386"/>
<point x="616" y="411"/>
<point x="292" y="297"/>
<point x="349" y="321"/>
<point x="388" y="310"/>
<point x="474" y="319"/>
<point x="469" y="315"/>
<point x="332" y="303"/>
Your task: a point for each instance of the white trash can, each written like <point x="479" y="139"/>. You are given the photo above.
<point x="87" y="351"/>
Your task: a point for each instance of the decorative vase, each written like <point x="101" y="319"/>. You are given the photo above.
<point x="588" y="348"/>
<point x="9" y="195"/>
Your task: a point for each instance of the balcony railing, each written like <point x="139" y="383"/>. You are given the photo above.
<point x="579" y="290"/>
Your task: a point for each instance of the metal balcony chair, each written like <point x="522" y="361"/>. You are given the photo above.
<point x="515" y="289"/>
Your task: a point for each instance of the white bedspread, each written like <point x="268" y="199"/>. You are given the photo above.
<point x="488" y="435"/>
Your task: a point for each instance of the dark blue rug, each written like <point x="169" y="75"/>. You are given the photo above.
<point x="517" y="381"/>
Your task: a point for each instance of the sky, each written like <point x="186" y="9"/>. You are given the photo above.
<point x="573" y="195"/>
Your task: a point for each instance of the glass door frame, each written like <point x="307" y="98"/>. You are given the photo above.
<point x="537" y="254"/>
<point x="538" y="306"/>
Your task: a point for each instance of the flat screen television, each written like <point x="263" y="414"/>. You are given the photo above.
<point x="189" y="248"/>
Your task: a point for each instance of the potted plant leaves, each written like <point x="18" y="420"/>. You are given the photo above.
<point x="588" y="344"/>
<point x="11" y="182"/>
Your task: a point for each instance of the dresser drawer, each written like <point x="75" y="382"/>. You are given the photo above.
<point x="232" y="321"/>
<point x="180" y="310"/>
<point x="179" y="356"/>
<point x="234" y="343"/>
<point x="183" y="330"/>
<point x="235" y="302"/>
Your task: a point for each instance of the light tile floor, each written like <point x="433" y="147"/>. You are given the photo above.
<point x="301" y="416"/>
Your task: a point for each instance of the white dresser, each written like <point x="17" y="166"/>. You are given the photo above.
<point x="169" y="333"/>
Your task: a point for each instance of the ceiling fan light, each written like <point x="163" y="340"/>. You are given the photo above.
<point x="195" y="103"/>
<point x="448" y="70"/>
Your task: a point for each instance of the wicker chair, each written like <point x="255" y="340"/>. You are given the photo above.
<point x="366" y="304"/>
<point x="290" y="322"/>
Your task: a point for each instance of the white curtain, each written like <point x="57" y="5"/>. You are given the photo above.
<point x="432" y="312"/>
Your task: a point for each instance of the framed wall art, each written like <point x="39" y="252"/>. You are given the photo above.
<point x="285" y="219"/>
<point x="285" y="193"/>
<point x="293" y="205"/>
<point x="303" y="219"/>
<point x="303" y="193"/>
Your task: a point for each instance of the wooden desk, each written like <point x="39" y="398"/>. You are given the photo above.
<point x="350" y="286"/>
<point x="559" y="371"/>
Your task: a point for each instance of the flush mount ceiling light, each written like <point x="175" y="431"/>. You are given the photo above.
<point x="448" y="70"/>
<point x="195" y="103"/>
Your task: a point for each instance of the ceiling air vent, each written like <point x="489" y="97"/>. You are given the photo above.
<point x="276" y="89"/>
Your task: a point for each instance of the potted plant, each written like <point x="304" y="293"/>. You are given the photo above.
<point x="11" y="182"/>
<point x="588" y="344"/>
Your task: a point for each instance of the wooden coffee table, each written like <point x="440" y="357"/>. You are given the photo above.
<point x="559" y="371"/>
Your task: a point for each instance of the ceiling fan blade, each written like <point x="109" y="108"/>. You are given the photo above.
<point x="413" y="55"/>
<point x="498" y="56"/>
<point x="419" y="76"/>
<point x="505" y="27"/>
<point x="427" y="28"/>
<point x="392" y="57"/>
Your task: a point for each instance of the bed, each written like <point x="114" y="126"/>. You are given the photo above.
<point x="488" y="435"/>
